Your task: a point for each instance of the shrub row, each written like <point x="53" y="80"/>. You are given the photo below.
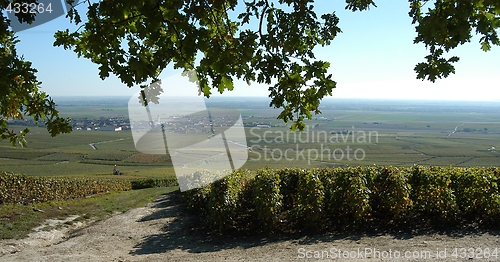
<point x="153" y="182"/>
<point x="338" y="197"/>
<point x="220" y="202"/>
<point x="21" y="189"/>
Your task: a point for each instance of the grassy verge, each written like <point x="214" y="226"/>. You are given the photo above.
<point x="17" y="221"/>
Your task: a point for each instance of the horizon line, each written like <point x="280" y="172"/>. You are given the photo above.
<point x="326" y="98"/>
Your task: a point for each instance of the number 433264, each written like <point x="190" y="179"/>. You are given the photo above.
<point x="31" y="8"/>
<point x="472" y="253"/>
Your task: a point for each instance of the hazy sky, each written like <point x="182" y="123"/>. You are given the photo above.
<point x="374" y="57"/>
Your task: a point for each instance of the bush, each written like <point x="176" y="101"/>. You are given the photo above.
<point x="477" y="194"/>
<point x="224" y="200"/>
<point x="299" y="199"/>
<point x="310" y="200"/>
<point x="20" y="189"/>
<point x="153" y="182"/>
<point x="432" y="193"/>
<point x="390" y="196"/>
<point x="347" y="195"/>
<point x="267" y="198"/>
<point x="289" y="186"/>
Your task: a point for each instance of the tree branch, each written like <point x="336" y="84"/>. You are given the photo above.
<point x="262" y="18"/>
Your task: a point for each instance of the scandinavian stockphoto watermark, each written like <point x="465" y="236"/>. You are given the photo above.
<point x="206" y="143"/>
<point x="43" y="11"/>
<point x="310" y="145"/>
<point x="171" y="116"/>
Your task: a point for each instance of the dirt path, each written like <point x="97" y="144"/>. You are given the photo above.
<point x="456" y="128"/>
<point x="93" y="145"/>
<point x="157" y="232"/>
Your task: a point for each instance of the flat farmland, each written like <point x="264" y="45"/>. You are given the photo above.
<point x="72" y="155"/>
<point x="347" y="132"/>
<point x="381" y="133"/>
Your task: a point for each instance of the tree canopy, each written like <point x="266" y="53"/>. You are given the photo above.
<point x="263" y="41"/>
<point x="20" y="94"/>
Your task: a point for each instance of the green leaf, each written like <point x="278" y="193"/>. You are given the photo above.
<point x="485" y="46"/>
<point x="228" y="83"/>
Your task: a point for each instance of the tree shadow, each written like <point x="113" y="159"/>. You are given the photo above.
<point x="186" y="232"/>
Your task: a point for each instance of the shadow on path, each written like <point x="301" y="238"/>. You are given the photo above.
<point x="181" y="232"/>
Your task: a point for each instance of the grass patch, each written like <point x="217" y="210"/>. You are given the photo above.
<point x="17" y="221"/>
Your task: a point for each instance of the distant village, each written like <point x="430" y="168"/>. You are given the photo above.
<point x="174" y="123"/>
<point x="102" y="124"/>
<point x="200" y="123"/>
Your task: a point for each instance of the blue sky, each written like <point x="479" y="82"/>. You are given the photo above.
<point x="374" y="57"/>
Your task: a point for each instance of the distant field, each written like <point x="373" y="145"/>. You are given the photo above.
<point x="383" y="138"/>
<point x="93" y="111"/>
<point x="346" y="133"/>
<point x="71" y="154"/>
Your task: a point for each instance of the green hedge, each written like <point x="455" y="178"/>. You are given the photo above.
<point x="21" y="189"/>
<point x="153" y="182"/>
<point x="352" y="196"/>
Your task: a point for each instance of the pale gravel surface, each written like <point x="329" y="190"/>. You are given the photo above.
<point x="158" y="232"/>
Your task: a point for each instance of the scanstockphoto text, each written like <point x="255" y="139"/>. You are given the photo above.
<point x="337" y="253"/>
<point x="309" y="145"/>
